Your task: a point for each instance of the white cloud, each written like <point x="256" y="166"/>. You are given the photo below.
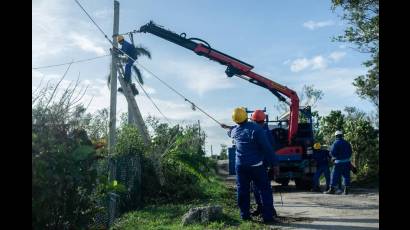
<point x="312" y="25"/>
<point x="336" y="84"/>
<point x="149" y="89"/>
<point x="286" y="62"/>
<point x="58" y="34"/>
<point x="199" y="77"/>
<point x="105" y="13"/>
<point x="47" y="29"/>
<point x="86" y="43"/>
<point x="336" y="56"/>
<point x="299" y="64"/>
<point x="317" y="62"/>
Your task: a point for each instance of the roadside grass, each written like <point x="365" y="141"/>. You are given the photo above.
<point x="169" y="215"/>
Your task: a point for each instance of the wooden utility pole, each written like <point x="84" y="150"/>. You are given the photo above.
<point x="130" y="115"/>
<point x="113" y="81"/>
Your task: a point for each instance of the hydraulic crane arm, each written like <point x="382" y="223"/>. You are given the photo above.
<point x="234" y="67"/>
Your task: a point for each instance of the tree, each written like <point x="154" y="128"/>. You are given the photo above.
<point x="63" y="171"/>
<point x="329" y="124"/>
<point x="140" y="51"/>
<point x="309" y="96"/>
<point x="223" y="154"/>
<point x="363" y="138"/>
<point x="363" y="32"/>
<point x="359" y="132"/>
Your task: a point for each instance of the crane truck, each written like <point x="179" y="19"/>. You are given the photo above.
<point x="293" y="132"/>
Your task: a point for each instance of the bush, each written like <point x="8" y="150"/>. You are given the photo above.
<point x="183" y="164"/>
<point x="63" y="170"/>
<point x="360" y="133"/>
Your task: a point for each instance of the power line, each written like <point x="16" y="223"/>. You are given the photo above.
<point x="152" y="101"/>
<point x="67" y="63"/>
<point x="93" y="20"/>
<point x="186" y="99"/>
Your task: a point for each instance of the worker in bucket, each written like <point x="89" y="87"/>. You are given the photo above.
<point x="322" y="157"/>
<point x="258" y="116"/>
<point x="251" y="147"/>
<point x="128" y="49"/>
<point x="341" y="150"/>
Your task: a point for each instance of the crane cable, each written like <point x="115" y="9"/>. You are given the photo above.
<point x="186" y="99"/>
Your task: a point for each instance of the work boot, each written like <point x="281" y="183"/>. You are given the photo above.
<point x="327" y="187"/>
<point x="134" y="89"/>
<point x="330" y="191"/>
<point x="346" y="191"/>
<point x="257" y="211"/>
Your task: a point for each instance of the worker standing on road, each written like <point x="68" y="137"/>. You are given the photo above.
<point x="251" y="147"/>
<point x="270" y="161"/>
<point x="130" y="50"/>
<point x="341" y="150"/>
<point x="322" y="157"/>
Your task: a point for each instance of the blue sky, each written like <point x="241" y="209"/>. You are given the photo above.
<point x="286" y="41"/>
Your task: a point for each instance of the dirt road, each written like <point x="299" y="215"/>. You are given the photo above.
<point x="308" y="210"/>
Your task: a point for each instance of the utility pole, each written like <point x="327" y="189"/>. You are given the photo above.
<point x="113" y="81"/>
<point x="130" y="115"/>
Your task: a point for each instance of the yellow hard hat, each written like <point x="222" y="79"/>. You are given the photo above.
<point x="316" y="146"/>
<point x="239" y="115"/>
<point x="120" y="38"/>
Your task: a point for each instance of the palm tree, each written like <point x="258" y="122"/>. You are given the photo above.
<point x="139" y="51"/>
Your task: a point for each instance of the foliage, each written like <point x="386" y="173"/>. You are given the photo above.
<point x="183" y="163"/>
<point x="359" y="132"/>
<point x="364" y="140"/>
<point x="139" y="51"/>
<point x="63" y="171"/>
<point x="363" y="31"/>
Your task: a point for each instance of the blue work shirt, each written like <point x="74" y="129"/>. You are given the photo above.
<point x="128" y="48"/>
<point x="321" y="157"/>
<point x="252" y="144"/>
<point x="341" y="150"/>
<point x="270" y="159"/>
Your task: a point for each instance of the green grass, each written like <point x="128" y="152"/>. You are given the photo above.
<point x="168" y="216"/>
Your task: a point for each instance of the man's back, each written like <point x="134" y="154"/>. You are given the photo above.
<point x="128" y="48"/>
<point x="251" y="143"/>
<point x="321" y="156"/>
<point x="341" y="149"/>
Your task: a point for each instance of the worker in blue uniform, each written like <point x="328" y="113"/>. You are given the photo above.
<point x="341" y="150"/>
<point x="130" y="50"/>
<point x="258" y="116"/>
<point x="251" y="148"/>
<point x="322" y="157"/>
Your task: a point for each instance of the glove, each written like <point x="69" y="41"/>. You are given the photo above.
<point x="226" y="126"/>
